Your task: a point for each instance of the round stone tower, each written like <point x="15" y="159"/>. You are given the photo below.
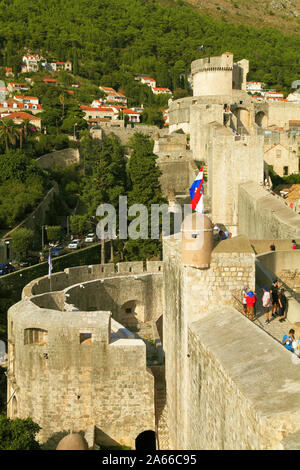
<point x="213" y="75"/>
<point x="197" y="240"/>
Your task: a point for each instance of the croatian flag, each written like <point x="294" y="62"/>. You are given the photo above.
<point x="196" y="193"/>
<point x="50" y="265"/>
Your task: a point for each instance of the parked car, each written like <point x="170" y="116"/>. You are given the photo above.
<point x="57" y="251"/>
<point x="29" y="261"/>
<point x="75" y="244"/>
<point x="91" y="237"/>
<point x="6" y="268"/>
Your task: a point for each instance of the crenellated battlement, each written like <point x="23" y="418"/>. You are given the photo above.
<point x="77" y="274"/>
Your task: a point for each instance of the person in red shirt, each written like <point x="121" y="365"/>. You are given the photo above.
<point x="294" y="245"/>
<point x="250" y="301"/>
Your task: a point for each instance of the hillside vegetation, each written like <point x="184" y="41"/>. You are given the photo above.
<point x="109" y="40"/>
<point x="279" y="14"/>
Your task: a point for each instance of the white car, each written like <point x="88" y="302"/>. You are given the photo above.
<point x="74" y="244"/>
<point x="90" y="238"/>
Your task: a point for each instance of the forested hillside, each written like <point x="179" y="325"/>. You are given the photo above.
<point x="279" y="14"/>
<point x="107" y="38"/>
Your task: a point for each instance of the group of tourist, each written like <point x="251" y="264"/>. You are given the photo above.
<point x="222" y="235"/>
<point x="274" y="302"/>
<point x="293" y="245"/>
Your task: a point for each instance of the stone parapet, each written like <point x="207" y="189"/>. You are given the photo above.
<point x="75" y="275"/>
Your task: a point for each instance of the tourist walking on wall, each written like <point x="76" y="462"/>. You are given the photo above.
<point x="244" y="295"/>
<point x="250" y="301"/>
<point x="274" y="297"/>
<point x="266" y="301"/>
<point x="288" y="340"/>
<point x="294" y="245"/>
<point x="282" y="300"/>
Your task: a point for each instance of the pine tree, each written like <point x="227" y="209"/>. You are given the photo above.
<point x="143" y="174"/>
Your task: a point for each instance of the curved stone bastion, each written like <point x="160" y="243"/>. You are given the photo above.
<point x="72" y="361"/>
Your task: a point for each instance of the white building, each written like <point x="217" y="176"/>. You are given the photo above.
<point x="294" y="97"/>
<point x="112" y="96"/>
<point x="30" y="63"/>
<point x="159" y="91"/>
<point x="254" y="87"/>
<point x="27" y="99"/>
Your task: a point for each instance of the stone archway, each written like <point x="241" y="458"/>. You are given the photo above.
<point x="146" y="440"/>
<point x="132" y="313"/>
<point x="261" y="119"/>
<point x="14" y="408"/>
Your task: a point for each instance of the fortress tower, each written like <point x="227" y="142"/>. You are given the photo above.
<point x="218" y="75"/>
<point x="213" y="75"/>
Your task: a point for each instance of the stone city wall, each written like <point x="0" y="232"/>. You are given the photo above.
<point x="124" y="134"/>
<point x="230" y="163"/>
<point x="77" y="274"/>
<point x="65" y="382"/>
<point x="232" y="373"/>
<point x="130" y="299"/>
<point x="177" y="175"/>
<point x="36" y="218"/>
<point x="264" y="216"/>
<point x="280" y="113"/>
<point x="216" y="368"/>
<point x="59" y="159"/>
<point x="189" y="294"/>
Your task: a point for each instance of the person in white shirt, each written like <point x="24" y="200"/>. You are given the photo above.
<point x="244" y="295"/>
<point x="266" y="301"/>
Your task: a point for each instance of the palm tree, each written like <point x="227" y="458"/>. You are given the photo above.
<point x="8" y="132"/>
<point x="23" y="130"/>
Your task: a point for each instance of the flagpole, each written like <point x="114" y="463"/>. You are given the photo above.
<point x="50" y="269"/>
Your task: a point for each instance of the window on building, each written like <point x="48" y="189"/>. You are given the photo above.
<point x="128" y="310"/>
<point x="285" y="171"/>
<point x="85" y="338"/>
<point x="35" y="336"/>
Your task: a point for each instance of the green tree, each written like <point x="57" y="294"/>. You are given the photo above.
<point x="143" y="174"/>
<point x="53" y="232"/>
<point x="18" y="434"/>
<point x="78" y="223"/>
<point x="109" y="179"/>
<point x="8" y="133"/>
<point x="21" y="242"/>
<point x="70" y="121"/>
<point x="153" y="117"/>
<point x="15" y="165"/>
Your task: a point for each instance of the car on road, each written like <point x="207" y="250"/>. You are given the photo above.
<point x="57" y="251"/>
<point x="29" y="261"/>
<point x="91" y="237"/>
<point x="75" y="244"/>
<point x="6" y="268"/>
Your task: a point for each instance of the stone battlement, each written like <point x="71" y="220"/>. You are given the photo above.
<point x="223" y="62"/>
<point x="68" y="336"/>
<point x="74" y="275"/>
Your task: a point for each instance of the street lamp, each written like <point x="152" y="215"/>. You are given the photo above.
<point x="76" y="124"/>
<point x="43" y="226"/>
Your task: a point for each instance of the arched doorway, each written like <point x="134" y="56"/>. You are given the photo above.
<point x="132" y="312"/>
<point x="261" y="119"/>
<point x="14" y="408"/>
<point x="146" y="440"/>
